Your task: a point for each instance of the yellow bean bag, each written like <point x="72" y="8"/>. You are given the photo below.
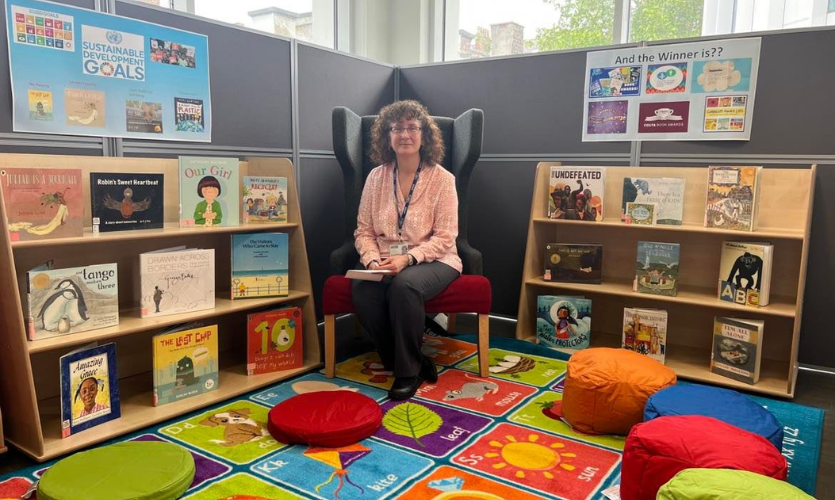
<point x="606" y="389"/>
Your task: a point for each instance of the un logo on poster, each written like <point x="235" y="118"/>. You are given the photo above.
<point x="114" y="37"/>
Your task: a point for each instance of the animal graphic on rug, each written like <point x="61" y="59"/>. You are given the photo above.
<point x="511" y="365"/>
<point x="239" y="428"/>
<point x="430" y="347"/>
<point x="472" y="390"/>
<point x="378" y="372"/>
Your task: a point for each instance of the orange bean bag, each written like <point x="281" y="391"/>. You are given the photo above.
<point x="606" y="389"/>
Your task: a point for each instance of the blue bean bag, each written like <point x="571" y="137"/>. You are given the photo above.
<point x="722" y="404"/>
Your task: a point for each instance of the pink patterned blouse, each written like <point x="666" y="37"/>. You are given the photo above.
<point x="431" y="225"/>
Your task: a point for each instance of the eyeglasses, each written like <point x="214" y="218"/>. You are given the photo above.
<point x="400" y="130"/>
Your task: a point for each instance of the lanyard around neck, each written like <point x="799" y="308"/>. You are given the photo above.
<point x="401" y="217"/>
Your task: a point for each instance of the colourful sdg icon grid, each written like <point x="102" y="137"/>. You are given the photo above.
<point x="44" y="32"/>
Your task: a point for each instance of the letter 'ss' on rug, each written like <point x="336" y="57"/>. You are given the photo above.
<point x="462" y="438"/>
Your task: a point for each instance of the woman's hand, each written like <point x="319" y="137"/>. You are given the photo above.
<point x="394" y="264"/>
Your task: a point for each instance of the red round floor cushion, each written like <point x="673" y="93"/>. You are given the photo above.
<point x="657" y="450"/>
<point x="328" y="419"/>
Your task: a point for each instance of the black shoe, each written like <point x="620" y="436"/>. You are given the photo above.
<point x="428" y="370"/>
<point x="405" y="387"/>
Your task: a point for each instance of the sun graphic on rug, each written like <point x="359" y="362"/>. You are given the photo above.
<point x="531" y="456"/>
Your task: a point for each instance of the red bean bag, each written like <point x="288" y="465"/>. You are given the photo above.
<point x="606" y="389"/>
<point x="328" y="419"/>
<point x="657" y="450"/>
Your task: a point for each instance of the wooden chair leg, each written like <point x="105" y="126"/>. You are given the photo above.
<point x="483" y="345"/>
<point x="357" y="328"/>
<point x="330" y="345"/>
<point x="450" y="322"/>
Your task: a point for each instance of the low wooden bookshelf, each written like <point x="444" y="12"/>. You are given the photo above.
<point x="785" y="214"/>
<point x="29" y="374"/>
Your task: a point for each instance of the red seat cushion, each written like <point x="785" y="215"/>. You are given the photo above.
<point x="329" y="419"/>
<point x="657" y="450"/>
<point x="467" y="294"/>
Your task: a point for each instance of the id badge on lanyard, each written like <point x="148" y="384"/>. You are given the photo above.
<point x="401" y="248"/>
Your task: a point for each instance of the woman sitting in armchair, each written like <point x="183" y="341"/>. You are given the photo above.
<point x="407" y="225"/>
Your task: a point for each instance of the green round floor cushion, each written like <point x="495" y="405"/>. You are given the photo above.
<point x="725" y="484"/>
<point x="122" y="471"/>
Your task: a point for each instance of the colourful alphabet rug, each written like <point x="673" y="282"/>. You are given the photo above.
<point x="462" y="438"/>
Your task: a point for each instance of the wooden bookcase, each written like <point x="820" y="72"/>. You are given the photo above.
<point x="29" y="373"/>
<point x="785" y="214"/>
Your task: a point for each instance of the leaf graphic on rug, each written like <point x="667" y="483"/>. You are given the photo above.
<point x="412" y="420"/>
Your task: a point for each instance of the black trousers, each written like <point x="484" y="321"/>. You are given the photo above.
<point x="392" y="311"/>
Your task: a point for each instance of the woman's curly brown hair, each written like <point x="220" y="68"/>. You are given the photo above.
<point x="431" y="142"/>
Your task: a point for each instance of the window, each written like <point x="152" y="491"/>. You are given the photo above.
<point x="477" y="29"/>
<point x="306" y="20"/>
<point x="653" y="20"/>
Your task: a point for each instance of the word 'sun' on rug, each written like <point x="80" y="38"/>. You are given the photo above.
<point x="461" y="438"/>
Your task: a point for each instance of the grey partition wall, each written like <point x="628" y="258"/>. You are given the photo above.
<point x="327" y="79"/>
<point x="793" y="108"/>
<point x="250" y="83"/>
<point x="532" y="105"/>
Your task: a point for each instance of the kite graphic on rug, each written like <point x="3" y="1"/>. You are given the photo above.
<point x="339" y="459"/>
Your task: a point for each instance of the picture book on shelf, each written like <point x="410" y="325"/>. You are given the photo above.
<point x="264" y="199"/>
<point x="274" y="341"/>
<point x="576" y="193"/>
<point x="71" y="300"/>
<point x="43" y="203"/>
<point x="656" y="268"/>
<point x="176" y="280"/>
<point x="121" y="202"/>
<point x="666" y="192"/>
<point x="185" y="363"/>
<point x="745" y="272"/>
<point x="642" y="214"/>
<point x="563" y="321"/>
<point x="645" y="332"/>
<point x="260" y="265"/>
<point x="210" y="191"/>
<point x="89" y="388"/>
<point x="737" y="348"/>
<point x="578" y="263"/>
<point x="732" y="197"/>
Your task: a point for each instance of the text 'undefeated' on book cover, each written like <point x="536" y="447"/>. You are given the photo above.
<point x="732" y="197"/>
<point x="210" y="191"/>
<point x="89" y="388"/>
<point x="121" y="202"/>
<point x="737" y="348"/>
<point x="576" y="193"/>
<point x="260" y="265"/>
<point x="43" y="203"/>
<point x="72" y="300"/>
<point x="563" y="322"/>
<point x="185" y="364"/>
<point x="578" y="263"/>
<point x="667" y="193"/>
<point x="264" y="199"/>
<point x="656" y="268"/>
<point x="176" y="280"/>
<point x="274" y="341"/>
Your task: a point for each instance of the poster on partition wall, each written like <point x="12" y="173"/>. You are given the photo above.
<point x="701" y="91"/>
<point x="80" y="72"/>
